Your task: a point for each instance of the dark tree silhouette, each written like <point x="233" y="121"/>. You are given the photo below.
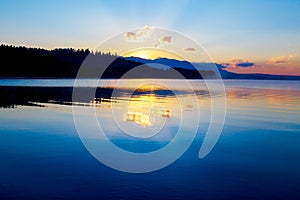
<point x="26" y="62"/>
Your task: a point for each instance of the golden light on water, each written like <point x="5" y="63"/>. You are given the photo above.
<point x="146" y="111"/>
<point x="138" y="118"/>
<point x="141" y="109"/>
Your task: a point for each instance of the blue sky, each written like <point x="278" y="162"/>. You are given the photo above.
<point x="254" y="30"/>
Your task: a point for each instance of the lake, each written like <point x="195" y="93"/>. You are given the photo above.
<point x="43" y="156"/>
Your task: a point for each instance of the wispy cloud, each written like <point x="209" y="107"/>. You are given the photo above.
<point x="189" y="49"/>
<point x="139" y="35"/>
<point x="282" y="59"/>
<point x="130" y="36"/>
<point x="164" y="40"/>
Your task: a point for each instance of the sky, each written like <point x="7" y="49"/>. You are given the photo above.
<point x="248" y="36"/>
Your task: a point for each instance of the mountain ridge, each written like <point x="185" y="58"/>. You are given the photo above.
<point x="173" y="63"/>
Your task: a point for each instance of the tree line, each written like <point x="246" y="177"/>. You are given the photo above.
<point x="24" y="62"/>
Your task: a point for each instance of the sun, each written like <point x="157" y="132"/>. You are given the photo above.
<point x="151" y="53"/>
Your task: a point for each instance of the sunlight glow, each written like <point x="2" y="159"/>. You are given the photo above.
<point x="151" y="53"/>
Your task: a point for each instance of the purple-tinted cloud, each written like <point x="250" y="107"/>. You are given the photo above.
<point x="238" y="63"/>
<point x="164" y="40"/>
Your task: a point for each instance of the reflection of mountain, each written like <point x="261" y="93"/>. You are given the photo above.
<point x="12" y="96"/>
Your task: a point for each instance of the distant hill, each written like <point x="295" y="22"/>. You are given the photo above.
<point x="230" y="75"/>
<point x="207" y="67"/>
<point x="164" y="61"/>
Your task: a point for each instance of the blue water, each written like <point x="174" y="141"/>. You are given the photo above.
<point x="256" y="157"/>
<point x="265" y="84"/>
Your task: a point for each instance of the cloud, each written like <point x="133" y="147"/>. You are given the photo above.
<point x="189" y="49"/>
<point x="130" y="36"/>
<point x="237" y="60"/>
<point x="238" y="63"/>
<point x="244" y="64"/>
<point x="281" y="59"/>
<point x="139" y="35"/>
<point x="164" y="40"/>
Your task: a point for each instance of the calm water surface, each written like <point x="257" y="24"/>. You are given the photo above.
<point x="256" y="157"/>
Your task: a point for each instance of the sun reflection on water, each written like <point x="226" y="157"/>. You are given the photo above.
<point x="146" y="107"/>
<point x="144" y="110"/>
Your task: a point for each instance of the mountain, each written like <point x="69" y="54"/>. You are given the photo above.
<point x="230" y="75"/>
<point x="186" y="68"/>
<point x="206" y="67"/>
<point x="164" y="61"/>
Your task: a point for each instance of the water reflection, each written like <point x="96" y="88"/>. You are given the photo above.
<point x="260" y="139"/>
<point x="148" y="105"/>
<point x="144" y="110"/>
<point x="239" y="98"/>
<point x="141" y="113"/>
